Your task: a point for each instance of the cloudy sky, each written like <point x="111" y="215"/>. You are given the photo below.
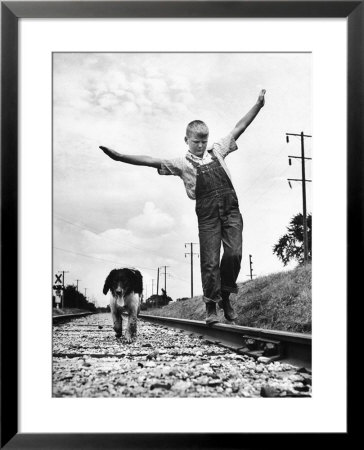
<point x="108" y="214"/>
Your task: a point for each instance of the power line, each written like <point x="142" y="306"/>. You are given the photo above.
<point x="259" y="176"/>
<point x="87" y="228"/>
<point x="178" y="278"/>
<point x="263" y="171"/>
<point x="264" y="214"/>
<point x="255" y="200"/>
<point x="101" y="259"/>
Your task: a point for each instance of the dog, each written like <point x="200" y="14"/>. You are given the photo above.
<point x="126" y="287"/>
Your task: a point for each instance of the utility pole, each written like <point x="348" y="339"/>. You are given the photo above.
<point x="77" y="299"/>
<point x="191" y="253"/>
<point x="158" y="281"/>
<point x="251" y="267"/>
<point x="156" y="300"/>
<point x="303" y="180"/>
<point x="85" y="294"/>
<point x="63" y="272"/>
<point x="165" y="278"/>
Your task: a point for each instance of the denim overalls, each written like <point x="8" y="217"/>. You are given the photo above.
<point x="219" y="220"/>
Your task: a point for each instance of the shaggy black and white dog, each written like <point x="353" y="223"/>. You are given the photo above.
<point x="126" y="287"/>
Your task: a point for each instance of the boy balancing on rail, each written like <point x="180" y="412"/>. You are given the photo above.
<point x="208" y="181"/>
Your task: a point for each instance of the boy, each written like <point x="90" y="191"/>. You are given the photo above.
<point x="207" y="180"/>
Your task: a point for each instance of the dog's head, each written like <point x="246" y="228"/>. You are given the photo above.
<point x="122" y="282"/>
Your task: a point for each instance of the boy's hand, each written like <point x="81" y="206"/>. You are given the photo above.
<point x="104" y="149"/>
<point x="261" y="99"/>
<point x="108" y="152"/>
<point x="243" y="123"/>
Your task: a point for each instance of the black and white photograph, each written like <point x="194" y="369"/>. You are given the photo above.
<point x="181" y="224"/>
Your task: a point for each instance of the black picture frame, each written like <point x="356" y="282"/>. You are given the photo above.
<point x="10" y="13"/>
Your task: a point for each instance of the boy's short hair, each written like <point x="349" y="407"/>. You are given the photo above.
<point x="197" y="126"/>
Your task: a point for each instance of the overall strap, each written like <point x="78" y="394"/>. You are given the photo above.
<point x="222" y="162"/>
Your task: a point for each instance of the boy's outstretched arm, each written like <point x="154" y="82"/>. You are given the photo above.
<point x="243" y="123"/>
<point x="137" y="160"/>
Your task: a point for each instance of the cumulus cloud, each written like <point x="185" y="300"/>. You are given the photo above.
<point x="131" y="84"/>
<point x="152" y="221"/>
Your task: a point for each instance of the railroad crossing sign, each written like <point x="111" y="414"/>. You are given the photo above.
<point x="58" y="278"/>
<point x="58" y="290"/>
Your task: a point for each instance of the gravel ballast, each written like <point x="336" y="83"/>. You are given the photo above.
<point x="89" y="361"/>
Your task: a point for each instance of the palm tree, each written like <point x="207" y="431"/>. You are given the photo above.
<point x="290" y="245"/>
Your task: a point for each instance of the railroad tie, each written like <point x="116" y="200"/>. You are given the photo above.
<point x="261" y="347"/>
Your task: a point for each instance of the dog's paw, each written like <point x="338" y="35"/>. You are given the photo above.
<point x="129" y="337"/>
<point x="118" y="328"/>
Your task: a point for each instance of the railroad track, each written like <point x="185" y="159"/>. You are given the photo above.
<point x="271" y="345"/>
<point x="187" y="359"/>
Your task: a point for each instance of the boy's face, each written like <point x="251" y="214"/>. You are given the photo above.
<point x="197" y="143"/>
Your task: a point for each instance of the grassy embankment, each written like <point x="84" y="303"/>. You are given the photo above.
<point x="280" y="301"/>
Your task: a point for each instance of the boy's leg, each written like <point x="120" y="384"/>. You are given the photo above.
<point x="210" y="243"/>
<point x="232" y="227"/>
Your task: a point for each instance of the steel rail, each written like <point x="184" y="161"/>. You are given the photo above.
<point x="69" y="316"/>
<point x="293" y="348"/>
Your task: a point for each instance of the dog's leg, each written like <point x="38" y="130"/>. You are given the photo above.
<point x="131" y="331"/>
<point x="116" y="318"/>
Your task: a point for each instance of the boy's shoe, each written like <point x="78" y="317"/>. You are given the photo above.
<point x="229" y="312"/>
<point x="211" y="316"/>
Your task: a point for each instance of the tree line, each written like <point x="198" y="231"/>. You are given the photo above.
<point x="72" y="298"/>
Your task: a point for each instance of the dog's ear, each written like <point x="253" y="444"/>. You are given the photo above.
<point x="138" y="282"/>
<point x="108" y="281"/>
<point x="106" y="285"/>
